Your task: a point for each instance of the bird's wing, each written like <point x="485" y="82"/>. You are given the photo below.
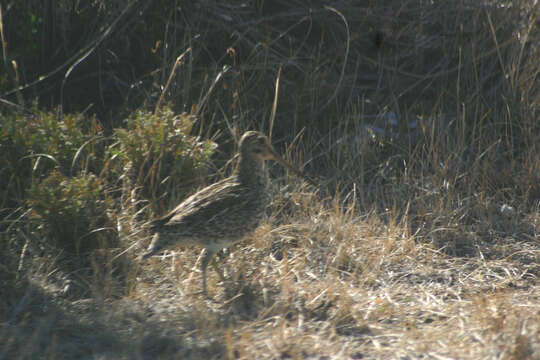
<point x="203" y="205"/>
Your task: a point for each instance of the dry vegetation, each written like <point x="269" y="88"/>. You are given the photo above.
<point x="421" y="238"/>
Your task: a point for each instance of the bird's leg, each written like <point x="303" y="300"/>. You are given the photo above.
<point x="206" y="257"/>
<point x="218" y="270"/>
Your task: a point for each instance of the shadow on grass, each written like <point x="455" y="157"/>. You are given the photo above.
<point x="39" y="325"/>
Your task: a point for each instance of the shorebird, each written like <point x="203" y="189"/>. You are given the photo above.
<point x="223" y="213"/>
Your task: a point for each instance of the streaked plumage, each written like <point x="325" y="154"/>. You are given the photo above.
<point x="222" y="213"/>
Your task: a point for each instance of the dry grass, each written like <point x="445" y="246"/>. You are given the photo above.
<point x="337" y="285"/>
<point x="325" y="282"/>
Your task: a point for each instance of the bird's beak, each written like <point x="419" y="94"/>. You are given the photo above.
<point x="272" y="155"/>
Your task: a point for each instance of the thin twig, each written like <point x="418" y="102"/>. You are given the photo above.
<point x="176" y="63"/>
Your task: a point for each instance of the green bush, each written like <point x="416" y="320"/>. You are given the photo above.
<point x="32" y="146"/>
<point x="159" y="154"/>
<point x="72" y="211"/>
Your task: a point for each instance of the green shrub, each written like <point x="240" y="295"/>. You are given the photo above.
<point x="161" y="155"/>
<point x="72" y="211"/>
<point x="32" y="146"/>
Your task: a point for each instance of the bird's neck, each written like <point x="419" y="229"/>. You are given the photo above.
<point x="251" y="170"/>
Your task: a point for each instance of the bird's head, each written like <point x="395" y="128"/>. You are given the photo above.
<point x="256" y="144"/>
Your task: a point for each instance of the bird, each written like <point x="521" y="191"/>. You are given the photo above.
<point x="223" y="213"/>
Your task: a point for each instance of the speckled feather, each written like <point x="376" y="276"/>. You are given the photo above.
<point x="215" y="217"/>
